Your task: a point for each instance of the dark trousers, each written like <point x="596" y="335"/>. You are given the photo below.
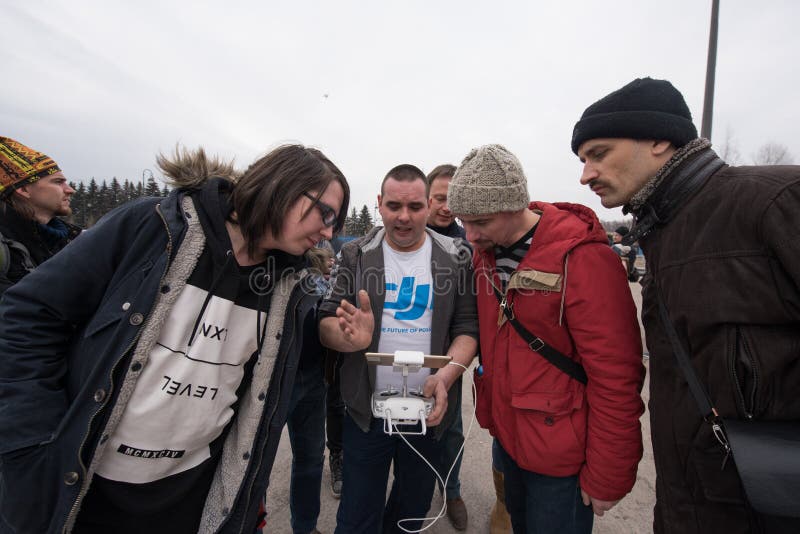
<point x="335" y="409"/>
<point x="366" y="473"/>
<point x="540" y="503"/>
<point x="306" y="424"/>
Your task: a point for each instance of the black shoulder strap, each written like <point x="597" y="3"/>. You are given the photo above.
<point x="704" y="405"/>
<point x="699" y="393"/>
<point x="563" y="363"/>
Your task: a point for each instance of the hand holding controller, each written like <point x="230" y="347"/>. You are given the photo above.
<point x="396" y="410"/>
<point x="403" y="407"/>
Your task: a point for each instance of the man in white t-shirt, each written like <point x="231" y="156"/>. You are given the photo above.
<point x="414" y="291"/>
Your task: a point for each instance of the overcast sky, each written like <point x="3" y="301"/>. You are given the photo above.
<point x="102" y="86"/>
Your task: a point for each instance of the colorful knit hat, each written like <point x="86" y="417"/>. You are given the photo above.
<point x="20" y="165"/>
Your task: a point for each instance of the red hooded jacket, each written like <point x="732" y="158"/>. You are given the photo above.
<point x="570" y="290"/>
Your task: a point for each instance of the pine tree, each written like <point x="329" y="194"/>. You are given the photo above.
<point x="103" y="199"/>
<point x="92" y="201"/>
<point x="78" y="204"/>
<point x="115" y="195"/>
<point x="128" y="191"/>
<point x="351" y="224"/>
<point x="364" y="221"/>
<point x="152" y="189"/>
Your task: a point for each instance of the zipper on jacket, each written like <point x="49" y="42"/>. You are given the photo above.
<point x="266" y="439"/>
<point x="266" y="427"/>
<point x="82" y="493"/>
<point x="747" y="405"/>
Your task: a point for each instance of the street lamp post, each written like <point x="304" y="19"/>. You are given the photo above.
<point x="711" y="68"/>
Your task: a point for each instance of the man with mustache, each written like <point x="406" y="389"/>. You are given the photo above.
<point x="723" y="253"/>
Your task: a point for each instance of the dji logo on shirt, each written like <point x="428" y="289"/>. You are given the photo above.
<point x="411" y="302"/>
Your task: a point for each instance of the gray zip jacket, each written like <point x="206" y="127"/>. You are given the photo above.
<point x="361" y="266"/>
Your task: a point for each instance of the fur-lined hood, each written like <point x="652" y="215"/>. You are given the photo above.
<point x="190" y="169"/>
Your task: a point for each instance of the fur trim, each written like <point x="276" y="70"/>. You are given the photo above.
<point x="677" y="158"/>
<point x="192" y="168"/>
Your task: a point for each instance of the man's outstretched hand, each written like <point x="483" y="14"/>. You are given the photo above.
<point x="356" y="324"/>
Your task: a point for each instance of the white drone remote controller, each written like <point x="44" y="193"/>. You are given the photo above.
<point x="404" y="407"/>
<point x="396" y="410"/>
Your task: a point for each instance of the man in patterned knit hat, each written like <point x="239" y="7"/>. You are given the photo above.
<point x="561" y="370"/>
<point x="35" y="193"/>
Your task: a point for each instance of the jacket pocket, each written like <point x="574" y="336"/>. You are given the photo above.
<point x="113" y="310"/>
<point x="28" y="488"/>
<point x="551" y="431"/>
<point x="744" y="372"/>
<point x="100" y="322"/>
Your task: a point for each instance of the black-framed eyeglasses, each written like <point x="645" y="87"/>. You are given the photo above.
<point x="329" y="216"/>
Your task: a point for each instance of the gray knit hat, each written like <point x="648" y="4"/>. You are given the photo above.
<point x="489" y="180"/>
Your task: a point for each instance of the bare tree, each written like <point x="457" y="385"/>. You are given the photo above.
<point x="728" y="150"/>
<point x="773" y="154"/>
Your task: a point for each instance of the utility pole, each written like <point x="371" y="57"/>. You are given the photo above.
<point x="711" y="67"/>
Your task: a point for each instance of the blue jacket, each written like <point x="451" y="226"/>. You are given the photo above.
<point x="71" y="336"/>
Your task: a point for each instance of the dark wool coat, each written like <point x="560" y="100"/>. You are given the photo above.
<point x="728" y="263"/>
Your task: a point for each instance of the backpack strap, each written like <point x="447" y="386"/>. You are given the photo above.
<point x="6" y="246"/>
<point x="5" y="256"/>
<point x="537" y="345"/>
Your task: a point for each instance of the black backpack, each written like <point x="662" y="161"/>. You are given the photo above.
<point x="6" y="246"/>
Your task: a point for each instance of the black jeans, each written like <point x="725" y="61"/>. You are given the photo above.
<point x="335" y="407"/>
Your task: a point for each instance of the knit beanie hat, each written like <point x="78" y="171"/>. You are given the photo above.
<point x="489" y="180"/>
<point x="622" y="230"/>
<point x="643" y="109"/>
<point x="20" y="165"/>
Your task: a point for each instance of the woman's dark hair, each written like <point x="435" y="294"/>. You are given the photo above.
<point x="268" y="189"/>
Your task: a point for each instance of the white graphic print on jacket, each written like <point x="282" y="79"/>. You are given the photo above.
<point x="184" y="397"/>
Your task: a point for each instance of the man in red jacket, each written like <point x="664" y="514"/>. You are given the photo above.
<point x="561" y="375"/>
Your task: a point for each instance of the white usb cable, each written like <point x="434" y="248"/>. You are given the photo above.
<point x="441" y="513"/>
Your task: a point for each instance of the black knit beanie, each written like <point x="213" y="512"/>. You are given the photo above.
<point x="643" y="109"/>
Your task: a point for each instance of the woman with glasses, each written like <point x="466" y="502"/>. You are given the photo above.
<point x="147" y="368"/>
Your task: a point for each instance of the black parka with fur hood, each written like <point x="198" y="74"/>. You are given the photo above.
<point x="75" y="335"/>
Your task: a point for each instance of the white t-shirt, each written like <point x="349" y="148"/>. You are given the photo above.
<point x="185" y="394"/>
<point x="407" y="312"/>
